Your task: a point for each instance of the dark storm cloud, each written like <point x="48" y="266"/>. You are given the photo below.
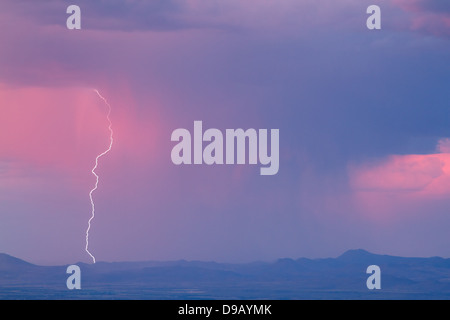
<point x="437" y="6"/>
<point x="123" y="15"/>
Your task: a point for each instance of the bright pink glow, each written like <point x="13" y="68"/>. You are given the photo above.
<point x="62" y="128"/>
<point x="49" y="127"/>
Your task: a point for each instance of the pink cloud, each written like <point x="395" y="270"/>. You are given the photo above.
<point x="432" y="16"/>
<point x="407" y="173"/>
<point x="401" y="183"/>
<point x="443" y="145"/>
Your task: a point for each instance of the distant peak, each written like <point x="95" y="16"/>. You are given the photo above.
<point x="356" y="253"/>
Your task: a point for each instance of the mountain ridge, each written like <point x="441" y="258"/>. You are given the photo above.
<point x="343" y="277"/>
<point x="347" y="255"/>
<point x="8" y="261"/>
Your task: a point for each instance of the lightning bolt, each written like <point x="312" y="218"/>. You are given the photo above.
<point x="111" y="140"/>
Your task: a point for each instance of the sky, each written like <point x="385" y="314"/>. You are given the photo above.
<point x="363" y="117"/>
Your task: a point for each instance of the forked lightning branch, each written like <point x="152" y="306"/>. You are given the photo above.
<point x="97" y="178"/>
